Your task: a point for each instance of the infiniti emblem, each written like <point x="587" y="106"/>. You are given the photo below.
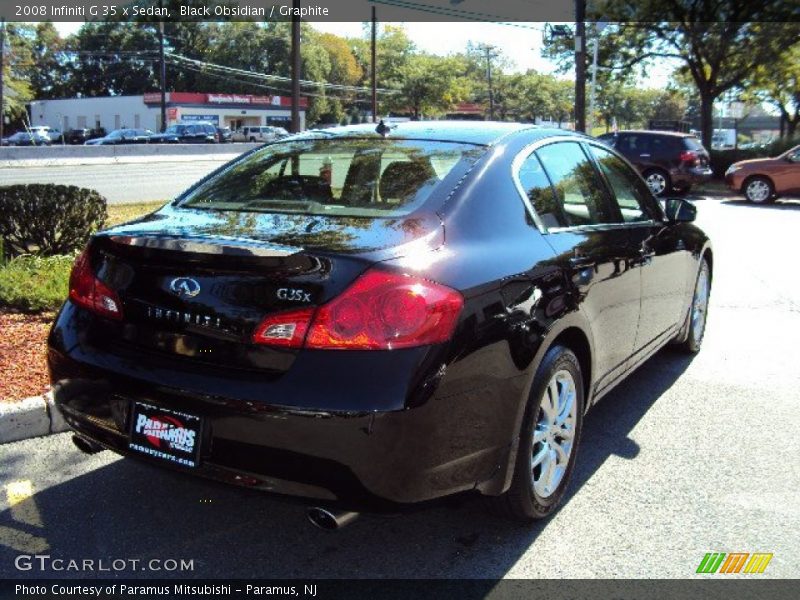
<point x="185" y="287"/>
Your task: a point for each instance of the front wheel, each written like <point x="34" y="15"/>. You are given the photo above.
<point x="759" y="190"/>
<point x="548" y="441"/>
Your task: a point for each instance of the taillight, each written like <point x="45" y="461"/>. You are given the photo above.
<point x="689" y="157"/>
<point x="86" y="290"/>
<point x="379" y="311"/>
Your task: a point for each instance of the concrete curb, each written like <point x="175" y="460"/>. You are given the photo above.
<point x="32" y="417"/>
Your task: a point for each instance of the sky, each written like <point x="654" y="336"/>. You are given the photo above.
<point x="521" y="43"/>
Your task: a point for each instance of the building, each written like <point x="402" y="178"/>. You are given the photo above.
<point x="144" y="112"/>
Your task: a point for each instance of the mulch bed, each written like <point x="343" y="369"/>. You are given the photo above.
<point x="23" y="368"/>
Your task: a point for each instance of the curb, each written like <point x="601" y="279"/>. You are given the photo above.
<point x="32" y="417"/>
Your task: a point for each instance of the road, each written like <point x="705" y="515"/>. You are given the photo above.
<point x="688" y="456"/>
<point x="119" y="183"/>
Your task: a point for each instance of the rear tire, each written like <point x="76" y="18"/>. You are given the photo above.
<point x="759" y="190"/>
<point x="695" y="326"/>
<point x="549" y="438"/>
<point x="658" y="181"/>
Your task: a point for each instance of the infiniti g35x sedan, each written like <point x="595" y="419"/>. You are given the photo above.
<point x="367" y="318"/>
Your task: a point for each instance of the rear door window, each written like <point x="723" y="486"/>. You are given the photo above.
<point x="631" y="192"/>
<point x="580" y="192"/>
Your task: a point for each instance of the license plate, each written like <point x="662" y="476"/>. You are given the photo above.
<point x="165" y="434"/>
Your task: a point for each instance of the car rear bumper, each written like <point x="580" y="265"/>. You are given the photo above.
<point x="693" y="176"/>
<point x="371" y="459"/>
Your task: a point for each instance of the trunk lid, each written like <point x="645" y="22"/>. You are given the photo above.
<point x="195" y="284"/>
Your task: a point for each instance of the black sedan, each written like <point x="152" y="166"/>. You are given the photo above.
<point x="367" y="319"/>
<point x="122" y="136"/>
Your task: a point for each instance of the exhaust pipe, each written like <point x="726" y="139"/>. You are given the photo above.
<point x="85" y="445"/>
<point x="330" y="519"/>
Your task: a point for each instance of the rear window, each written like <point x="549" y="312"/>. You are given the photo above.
<point x="346" y="177"/>
<point x="692" y="143"/>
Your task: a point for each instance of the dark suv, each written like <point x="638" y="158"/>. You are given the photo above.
<point x="668" y="161"/>
<point x="187" y="133"/>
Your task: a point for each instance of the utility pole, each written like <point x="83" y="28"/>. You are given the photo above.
<point x="163" y="73"/>
<point x="296" y="66"/>
<point x="489" y="52"/>
<point x="580" y="65"/>
<point x="374" y="66"/>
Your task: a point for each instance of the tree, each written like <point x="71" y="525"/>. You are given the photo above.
<point x="779" y="85"/>
<point x="719" y="44"/>
<point x="17" y="91"/>
<point x="431" y="85"/>
<point x="48" y="68"/>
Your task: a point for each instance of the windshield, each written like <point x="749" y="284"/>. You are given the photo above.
<point x="177" y="129"/>
<point x="346" y="177"/>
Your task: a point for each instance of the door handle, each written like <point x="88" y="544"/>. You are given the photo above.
<point x="644" y="155"/>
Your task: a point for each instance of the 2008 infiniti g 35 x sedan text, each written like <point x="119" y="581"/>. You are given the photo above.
<point x="368" y="319"/>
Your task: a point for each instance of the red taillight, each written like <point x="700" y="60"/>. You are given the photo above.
<point x="380" y="311"/>
<point x="86" y="290"/>
<point x="689" y="157"/>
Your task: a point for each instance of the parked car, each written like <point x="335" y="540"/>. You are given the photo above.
<point x="259" y="133"/>
<point x="24" y="138"/>
<point x="81" y="135"/>
<point x="191" y="133"/>
<point x="122" y="136"/>
<point x="762" y="180"/>
<point x="270" y="330"/>
<point x="224" y="135"/>
<point x="54" y="135"/>
<point x="669" y="161"/>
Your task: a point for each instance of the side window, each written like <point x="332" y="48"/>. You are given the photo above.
<point x="634" y="145"/>
<point x="537" y="188"/>
<point x="630" y="191"/>
<point x="580" y="193"/>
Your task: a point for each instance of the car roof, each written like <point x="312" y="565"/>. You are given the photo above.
<point x="470" y="132"/>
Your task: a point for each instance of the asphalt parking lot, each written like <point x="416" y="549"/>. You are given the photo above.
<point x="688" y="456"/>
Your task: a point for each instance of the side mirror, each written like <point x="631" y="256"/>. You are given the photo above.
<point x="679" y="210"/>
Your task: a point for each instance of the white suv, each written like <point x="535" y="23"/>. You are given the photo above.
<point x="259" y="133"/>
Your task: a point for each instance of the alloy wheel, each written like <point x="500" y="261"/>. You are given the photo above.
<point x="758" y="191"/>
<point x="554" y="434"/>
<point x="700" y="305"/>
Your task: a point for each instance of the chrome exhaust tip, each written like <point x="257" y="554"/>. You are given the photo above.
<point x="330" y="520"/>
<point x="85" y="445"/>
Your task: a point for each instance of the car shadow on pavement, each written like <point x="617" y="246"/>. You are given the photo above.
<point x="130" y="510"/>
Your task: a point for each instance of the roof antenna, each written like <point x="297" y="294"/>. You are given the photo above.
<point x="384" y="129"/>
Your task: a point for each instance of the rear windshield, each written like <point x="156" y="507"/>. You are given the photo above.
<point x="692" y="143"/>
<point x="347" y="177"/>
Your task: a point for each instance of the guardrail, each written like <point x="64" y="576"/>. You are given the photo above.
<point x="76" y="155"/>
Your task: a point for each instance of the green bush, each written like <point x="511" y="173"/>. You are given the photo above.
<point x="47" y="219"/>
<point x="35" y="284"/>
<point x="722" y="159"/>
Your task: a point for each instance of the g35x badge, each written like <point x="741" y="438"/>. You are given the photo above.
<point x="294" y="295"/>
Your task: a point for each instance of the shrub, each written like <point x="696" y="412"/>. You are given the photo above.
<point x="47" y="219"/>
<point x="33" y="283"/>
<point x="722" y="159"/>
